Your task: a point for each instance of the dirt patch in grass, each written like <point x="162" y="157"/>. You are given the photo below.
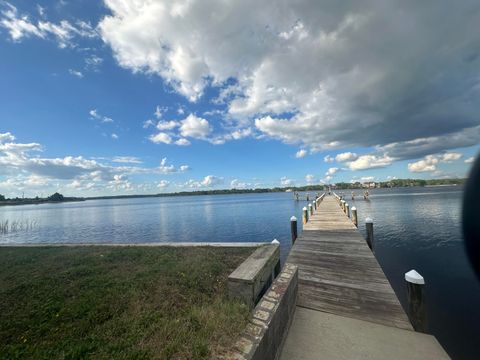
<point x="118" y="302"/>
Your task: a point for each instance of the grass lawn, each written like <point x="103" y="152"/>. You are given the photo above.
<point x="118" y="302"/>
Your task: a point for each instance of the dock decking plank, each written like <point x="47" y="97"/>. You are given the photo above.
<point x="339" y="274"/>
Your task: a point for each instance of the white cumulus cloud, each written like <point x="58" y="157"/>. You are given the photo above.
<point x="167" y="125"/>
<point x="76" y="73"/>
<point x="366" y="179"/>
<point x="285" y="181"/>
<point x="94" y="114"/>
<point x="347" y="156"/>
<point x="346" y="74"/>
<point x="161" y="138"/>
<point x="163" y="184"/>
<point x="182" y="142"/>
<point x="127" y="160"/>
<point x="310" y="179"/>
<point x="332" y="170"/>
<point x="429" y="163"/>
<point x="301" y="153"/>
<point x="452" y="156"/>
<point x="237" y="184"/>
<point x="328" y="158"/>
<point x="364" y="162"/>
<point x="6" y="137"/>
<point x="195" y="127"/>
<point x="211" y="180"/>
<point x="23" y="168"/>
<point x="21" y="26"/>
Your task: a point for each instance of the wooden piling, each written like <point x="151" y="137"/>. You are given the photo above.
<point x="354" y="216"/>
<point x="310" y="210"/>
<point x="347" y="209"/>
<point x="304" y="215"/>
<point x="416" y="300"/>
<point x="294" y="228"/>
<point x="369" y="226"/>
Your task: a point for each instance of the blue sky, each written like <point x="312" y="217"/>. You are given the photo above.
<point x="152" y="96"/>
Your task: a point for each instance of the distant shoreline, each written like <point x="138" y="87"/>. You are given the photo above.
<point x="16" y="202"/>
<point x="397" y="183"/>
<point x="442" y="185"/>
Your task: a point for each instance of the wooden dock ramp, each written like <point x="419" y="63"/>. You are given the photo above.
<point x="346" y="308"/>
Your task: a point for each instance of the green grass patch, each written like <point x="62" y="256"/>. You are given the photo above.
<point x="118" y="302"/>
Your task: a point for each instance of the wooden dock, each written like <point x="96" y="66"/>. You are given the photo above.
<point x="342" y="287"/>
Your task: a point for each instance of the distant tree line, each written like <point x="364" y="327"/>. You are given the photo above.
<point x="57" y="197"/>
<point x="322" y="187"/>
<point x="401" y="183"/>
<point x="218" y="192"/>
<point x="421" y="182"/>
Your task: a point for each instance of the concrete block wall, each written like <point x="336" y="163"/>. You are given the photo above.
<point x="266" y="332"/>
<point x="255" y="275"/>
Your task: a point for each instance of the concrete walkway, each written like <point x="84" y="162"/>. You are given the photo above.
<point x="318" y="335"/>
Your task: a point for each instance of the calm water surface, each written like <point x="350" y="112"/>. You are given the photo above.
<point x="416" y="228"/>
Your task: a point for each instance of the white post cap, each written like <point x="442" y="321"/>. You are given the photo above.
<point x="310" y="204"/>
<point x="304" y="208"/>
<point x="346" y="204"/>
<point x="369" y="220"/>
<point x="353" y="208"/>
<point x="414" y="277"/>
<point x="293" y="218"/>
<point x="275" y="241"/>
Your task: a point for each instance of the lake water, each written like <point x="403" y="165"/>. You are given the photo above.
<point x="415" y="228"/>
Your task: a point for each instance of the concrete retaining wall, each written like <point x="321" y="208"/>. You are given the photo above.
<point x="254" y="276"/>
<point x="265" y="334"/>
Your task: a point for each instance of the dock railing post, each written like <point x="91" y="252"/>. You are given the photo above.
<point x="347" y="209"/>
<point x="369" y="226"/>
<point x="416" y="300"/>
<point x="342" y="204"/>
<point x="354" y="216"/>
<point x="310" y="210"/>
<point x="315" y="204"/>
<point x="304" y="215"/>
<point x="293" y="228"/>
